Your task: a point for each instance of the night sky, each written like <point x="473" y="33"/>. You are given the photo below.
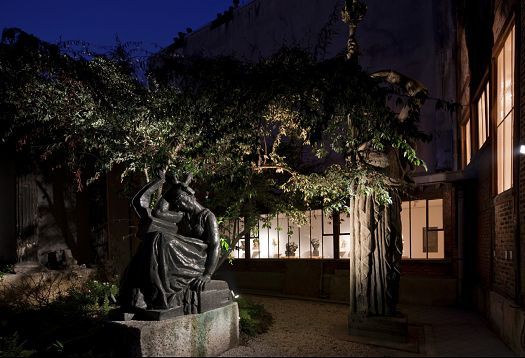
<point x="154" y="23"/>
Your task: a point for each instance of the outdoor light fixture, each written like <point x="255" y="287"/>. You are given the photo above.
<point x="234" y="295"/>
<point x="522" y="149"/>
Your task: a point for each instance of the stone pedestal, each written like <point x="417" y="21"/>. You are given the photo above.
<point x="216" y="294"/>
<point x="394" y="329"/>
<point x="205" y="334"/>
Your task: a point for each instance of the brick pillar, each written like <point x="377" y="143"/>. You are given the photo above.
<point x="520" y="41"/>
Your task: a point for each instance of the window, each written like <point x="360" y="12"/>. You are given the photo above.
<point x="422" y="229"/>
<point x="483" y="116"/>
<point x="231" y="229"/>
<point x="468" y="143"/>
<point x="344" y="235"/>
<point x="279" y="237"/>
<point x="505" y="113"/>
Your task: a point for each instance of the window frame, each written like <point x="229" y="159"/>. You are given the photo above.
<point x="410" y="258"/>
<point x="283" y="222"/>
<point x="484" y="89"/>
<point x="466" y="145"/>
<point x="508" y="28"/>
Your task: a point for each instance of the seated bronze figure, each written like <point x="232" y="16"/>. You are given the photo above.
<point x="178" y="252"/>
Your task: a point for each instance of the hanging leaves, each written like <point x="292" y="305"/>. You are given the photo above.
<point x="280" y="135"/>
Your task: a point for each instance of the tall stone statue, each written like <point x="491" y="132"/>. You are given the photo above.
<point x="171" y="271"/>
<point x="376" y="234"/>
<point x="376" y="248"/>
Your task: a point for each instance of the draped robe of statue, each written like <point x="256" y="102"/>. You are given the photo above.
<point x="169" y="258"/>
<point x="376" y="249"/>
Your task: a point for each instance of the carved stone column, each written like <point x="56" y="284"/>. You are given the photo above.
<point x="376" y="249"/>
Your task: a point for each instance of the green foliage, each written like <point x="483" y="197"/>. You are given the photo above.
<point x="226" y="247"/>
<point x="6" y="269"/>
<point x="10" y="346"/>
<point x="71" y="323"/>
<point x="255" y="319"/>
<point x="95" y="297"/>
<point x="282" y="135"/>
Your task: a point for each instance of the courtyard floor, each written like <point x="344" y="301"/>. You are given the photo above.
<point x="311" y="328"/>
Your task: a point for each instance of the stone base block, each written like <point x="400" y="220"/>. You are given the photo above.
<point x="393" y="329"/>
<point x="205" y="334"/>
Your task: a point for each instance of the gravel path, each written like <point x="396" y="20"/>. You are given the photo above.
<point x="303" y="328"/>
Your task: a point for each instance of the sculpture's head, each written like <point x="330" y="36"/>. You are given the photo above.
<point x="184" y="198"/>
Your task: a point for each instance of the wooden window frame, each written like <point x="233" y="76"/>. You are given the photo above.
<point x="498" y="47"/>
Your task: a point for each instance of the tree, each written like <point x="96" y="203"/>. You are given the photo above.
<point x="282" y="135"/>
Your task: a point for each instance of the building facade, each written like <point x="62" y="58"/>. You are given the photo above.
<point x="491" y="68"/>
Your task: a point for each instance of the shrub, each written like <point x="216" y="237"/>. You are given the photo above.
<point x="255" y="319"/>
<point x="10" y="346"/>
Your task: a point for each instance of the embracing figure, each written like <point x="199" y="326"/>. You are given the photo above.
<point x="178" y="253"/>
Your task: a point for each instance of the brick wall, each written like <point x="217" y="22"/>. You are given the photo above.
<point x="503" y="270"/>
<point x="485" y="219"/>
<point x="520" y="36"/>
<point x="493" y="238"/>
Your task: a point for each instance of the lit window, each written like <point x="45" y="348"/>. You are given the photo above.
<point x="468" y="145"/>
<point x="422" y="229"/>
<point x="505" y="113"/>
<point x="278" y="237"/>
<point x="483" y="116"/>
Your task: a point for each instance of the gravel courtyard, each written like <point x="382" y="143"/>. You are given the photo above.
<point x="303" y="328"/>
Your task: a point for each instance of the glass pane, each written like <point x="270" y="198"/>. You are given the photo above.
<point x="344" y="220"/>
<point x="487" y="114"/>
<point x="292" y="235"/>
<point x="508" y="75"/>
<point x="467" y="141"/>
<point x="405" y="225"/>
<point x="481" y="121"/>
<point x="254" y="231"/>
<point x="439" y="238"/>
<point x="241" y="249"/>
<point x="344" y="246"/>
<point x="418" y="226"/>
<point x="316" y="231"/>
<point x="435" y="213"/>
<point x="273" y="236"/>
<point x="304" y="247"/>
<point x="328" y="223"/>
<point x="240" y="226"/>
<point x="261" y="240"/>
<point x="501" y="90"/>
<point x="500" y="157"/>
<point x="507" y="166"/>
<point x="328" y="247"/>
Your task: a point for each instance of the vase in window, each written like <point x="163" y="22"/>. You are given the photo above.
<point x="315" y="245"/>
<point x="291" y="247"/>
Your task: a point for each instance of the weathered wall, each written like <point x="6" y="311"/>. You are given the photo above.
<point x="121" y="223"/>
<point x="410" y="36"/>
<point x="329" y="279"/>
<point x="7" y="205"/>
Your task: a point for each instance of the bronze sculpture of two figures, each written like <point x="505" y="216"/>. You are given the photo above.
<point x="178" y="253"/>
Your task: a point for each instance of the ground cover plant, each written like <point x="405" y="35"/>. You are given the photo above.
<point x="46" y="321"/>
